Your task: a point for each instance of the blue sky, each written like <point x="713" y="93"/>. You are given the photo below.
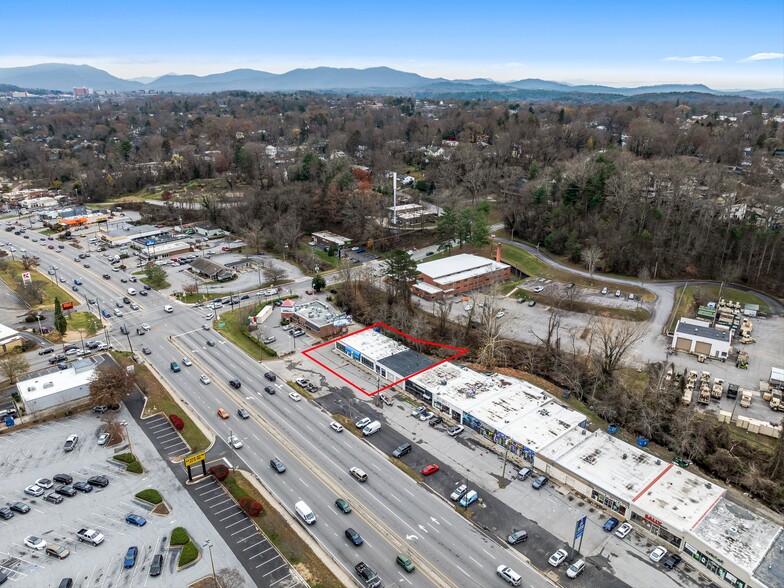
<point x="722" y="44"/>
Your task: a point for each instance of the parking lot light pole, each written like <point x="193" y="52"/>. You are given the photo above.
<point x="127" y="436"/>
<point x="208" y="545"/>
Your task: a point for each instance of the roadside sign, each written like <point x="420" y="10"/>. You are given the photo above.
<point x="579" y="529"/>
<point x="67" y="306"/>
<point x="195" y="458"/>
<point x="26" y="277"/>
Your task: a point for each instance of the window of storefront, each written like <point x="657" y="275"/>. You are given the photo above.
<point x="656" y="528"/>
<point x="713" y="566"/>
<point x="609" y="502"/>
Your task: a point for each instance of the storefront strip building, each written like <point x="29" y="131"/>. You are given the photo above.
<point x="680" y="510"/>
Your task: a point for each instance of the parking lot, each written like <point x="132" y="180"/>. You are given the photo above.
<point x="37" y="452"/>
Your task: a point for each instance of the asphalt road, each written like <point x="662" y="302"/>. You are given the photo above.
<point x="392" y="512"/>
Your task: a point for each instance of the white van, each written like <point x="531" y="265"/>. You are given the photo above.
<point x="468" y="498"/>
<point x="132" y="291"/>
<point x="304" y="512"/>
<point x="168" y="308"/>
<point x="373" y="427"/>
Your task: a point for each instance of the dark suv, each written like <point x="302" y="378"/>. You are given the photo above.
<point x="270" y="376"/>
<point x="402" y="450"/>
<point x="235" y="383"/>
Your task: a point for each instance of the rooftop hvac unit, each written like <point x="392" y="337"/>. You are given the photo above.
<point x="49" y="385"/>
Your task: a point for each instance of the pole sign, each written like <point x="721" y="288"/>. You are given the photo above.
<point x="579" y="528"/>
<point x="67" y="306"/>
<point x="195" y="458"/>
<point x="26" y="278"/>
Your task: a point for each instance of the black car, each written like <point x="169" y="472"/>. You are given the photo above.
<point x="436" y="421"/>
<point x="53" y="498"/>
<point x="126" y="300"/>
<point x="157" y="565"/>
<point x="83" y="487"/>
<point x="353" y="536"/>
<point x="143" y="292"/>
<point x="6" y="513"/>
<point x="46" y="351"/>
<point x="146" y="350"/>
<point x="100" y="481"/>
<point x="107" y="277"/>
<point x="235" y="383"/>
<point x="270" y="376"/>
<point x="62" y="366"/>
<point x="20" y="507"/>
<point x="672" y="561"/>
<point x="62" y="478"/>
<point x="243" y="413"/>
<point x="66" y="490"/>
<point x="57" y="359"/>
<point x="269" y="390"/>
<point x="146" y="287"/>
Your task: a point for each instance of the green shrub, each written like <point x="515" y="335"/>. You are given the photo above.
<point x="135" y="467"/>
<point x="188" y="554"/>
<point x="125" y="457"/>
<point x="150" y="495"/>
<point x="179" y="536"/>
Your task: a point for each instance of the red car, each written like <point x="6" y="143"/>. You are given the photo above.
<point x="50" y="246"/>
<point x="309" y="292"/>
<point x="430" y="469"/>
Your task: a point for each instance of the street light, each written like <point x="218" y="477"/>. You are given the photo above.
<point x="208" y="545"/>
<point x="127" y="436"/>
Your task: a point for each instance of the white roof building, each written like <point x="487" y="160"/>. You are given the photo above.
<point x="56" y="388"/>
<point x="458" y="267"/>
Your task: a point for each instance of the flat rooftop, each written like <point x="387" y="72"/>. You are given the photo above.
<point x="541" y="425"/>
<point x="701" y="329"/>
<point x="739" y="535"/>
<point x="332" y="237"/>
<point x="606" y="462"/>
<point x="130" y="231"/>
<point x="373" y="344"/>
<point x="317" y="313"/>
<point x="35" y="388"/>
<point x="679" y="497"/>
<point x="457" y="265"/>
<point x="406" y="363"/>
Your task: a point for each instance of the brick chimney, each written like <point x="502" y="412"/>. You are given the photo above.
<point x="498" y="252"/>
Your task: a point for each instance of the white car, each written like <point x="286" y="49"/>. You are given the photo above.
<point x="145" y="326"/>
<point x="209" y="316"/>
<point x="557" y="558"/>
<point x="336" y="426"/>
<point x="456" y="430"/>
<point x="658" y="554"/>
<point x="103" y="438"/>
<point x="623" y="530"/>
<point x="458" y="493"/>
<point x="295" y="396"/>
<point x="34" y="490"/>
<point x="500" y="314"/>
<point x="44" y="483"/>
<point x="34" y="542"/>
<point x="235" y="442"/>
<point x="469" y="307"/>
<point x="206" y="327"/>
<point x="538" y="289"/>
<point x="204" y="379"/>
<point x="509" y="575"/>
<point x="362" y="423"/>
<point x="426" y="416"/>
<point x="186" y="361"/>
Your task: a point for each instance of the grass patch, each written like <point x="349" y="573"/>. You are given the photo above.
<point x="179" y="536"/>
<point x="193" y="298"/>
<point x="125" y="457"/>
<point x="86" y="321"/>
<point x="405" y="468"/>
<point x="159" y="400"/>
<point x="278" y="531"/>
<point x="236" y="332"/>
<point x="11" y="274"/>
<point x="150" y="495"/>
<point x="535" y="267"/>
<point x="155" y="285"/>
<point x="687" y="306"/>
<point x="188" y="554"/>
<point x="233" y="485"/>
<point x="135" y="468"/>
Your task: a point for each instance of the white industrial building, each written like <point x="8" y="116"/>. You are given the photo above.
<point x="57" y="388"/>
<point x="698" y="337"/>
<point x="390" y="360"/>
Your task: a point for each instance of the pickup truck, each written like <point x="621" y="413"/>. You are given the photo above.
<point x="368" y="575"/>
<point x="89" y="536"/>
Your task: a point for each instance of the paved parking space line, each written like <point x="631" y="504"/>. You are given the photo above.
<point x="260" y="553"/>
<point x="210" y="491"/>
<point x="243" y="529"/>
<point x="251" y="536"/>
<point x="216" y="498"/>
<point x="255" y="544"/>
<point x="166" y="434"/>
<point x="264" y="563"/>
<point x="237" y="523"/>
<point x="217" y="512"/>
<point x="275" y="570"/>
<point x="230" y="516"/>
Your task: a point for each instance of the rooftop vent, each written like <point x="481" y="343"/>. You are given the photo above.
<point x="625" y="456"/>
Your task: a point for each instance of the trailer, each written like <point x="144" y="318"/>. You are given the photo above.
<point x="776" y="377"/>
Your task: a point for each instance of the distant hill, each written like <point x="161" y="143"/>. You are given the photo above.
<point x="375" y="80"/>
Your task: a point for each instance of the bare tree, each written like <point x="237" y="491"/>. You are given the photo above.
<point x="274" y="273"/>
<point x="14" y="366"/>
<point x="230" y="578"/>
<point x="591" y="256"/>
<point x="111" y="385"/>
<point x="35" y="289"/>
<point x="614" y="340"/>
<point x="441" y="310"/>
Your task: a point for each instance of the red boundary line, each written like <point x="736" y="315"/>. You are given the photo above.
<point x="459" y="351"/>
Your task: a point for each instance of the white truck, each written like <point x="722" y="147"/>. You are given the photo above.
<point x="89" y="536"/>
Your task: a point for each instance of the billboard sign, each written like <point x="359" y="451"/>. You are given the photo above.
<point x="579" y="529"/>
<point x="67" y="306"/>
<point x="150" y="242"/>
<point x="195" y="458"/>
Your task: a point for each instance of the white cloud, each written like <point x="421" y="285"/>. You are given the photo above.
<point x="763" y="57"/>
<point x="696" y="59"/>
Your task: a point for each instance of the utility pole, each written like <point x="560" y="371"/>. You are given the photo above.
<point x="208" y="545"/>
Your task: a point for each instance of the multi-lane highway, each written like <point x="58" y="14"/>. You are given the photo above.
<point x="392" y="512"/>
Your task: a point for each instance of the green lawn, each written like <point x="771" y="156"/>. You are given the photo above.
<point x="237" y="334"/>
<point x="200" y="297"/>
<point x="155" y="285"/>
<point x="327" y="262"/>
<point x="687" y="307"/>
<point x="84" y="321"/>
<point x="12" y="276"/>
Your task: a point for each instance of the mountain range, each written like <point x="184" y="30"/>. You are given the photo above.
<point x="376" y="80"/>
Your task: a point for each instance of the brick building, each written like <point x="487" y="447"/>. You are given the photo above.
<point x="457" y="274"/>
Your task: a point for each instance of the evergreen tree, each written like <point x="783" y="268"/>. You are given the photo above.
<point x="59" y="318"/>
